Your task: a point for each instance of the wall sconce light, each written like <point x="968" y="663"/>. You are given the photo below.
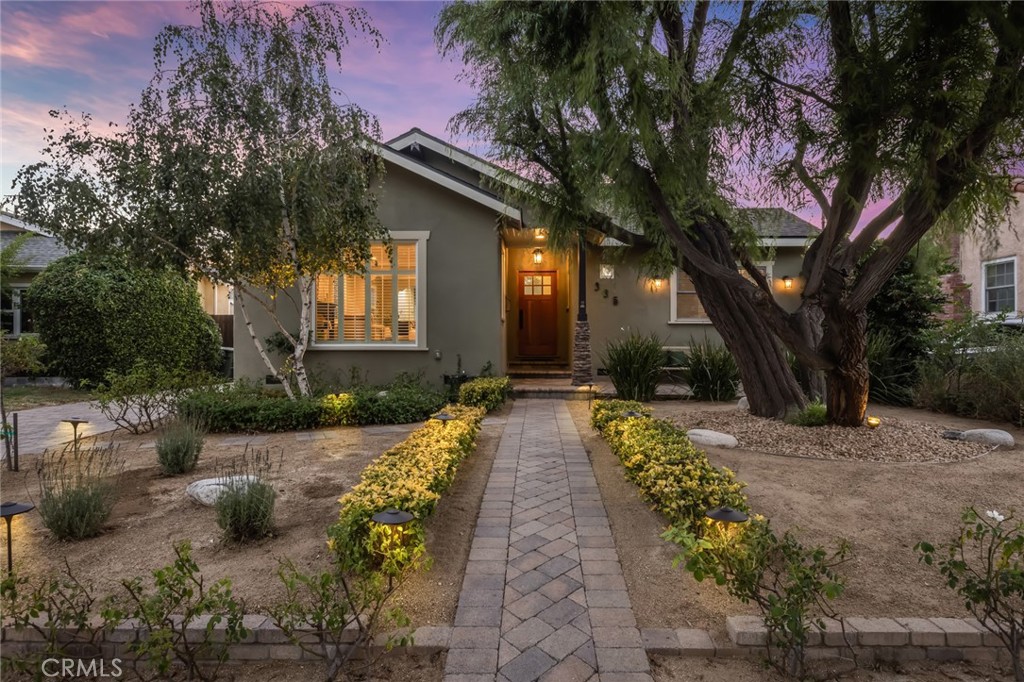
<point x="787" y="283"/>
<point x="656" y="284"/>
<point x="538" y="233"/>
<point x="538" y="256"/>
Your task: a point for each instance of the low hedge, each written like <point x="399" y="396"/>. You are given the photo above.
<point x="489" y="393"/>
<point x="410" y="476"/>
<point x="675" y="477"/>
<point x="248" y="408"/>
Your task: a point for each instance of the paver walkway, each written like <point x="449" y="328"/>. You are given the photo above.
<point x="40" y="428"/>
<point x="544" y="597"/>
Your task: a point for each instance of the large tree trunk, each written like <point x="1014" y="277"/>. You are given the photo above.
<point x="845" y="339"/>
<point x="770" y="386"/>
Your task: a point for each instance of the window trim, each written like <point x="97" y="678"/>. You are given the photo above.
<point x="674" y="292"/>
<point x="420" y="237"/>
<point x="17" y="291"/>
<point x="1015" y="309"/>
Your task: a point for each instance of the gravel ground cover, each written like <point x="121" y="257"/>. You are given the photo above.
<point x="898" y="439"/>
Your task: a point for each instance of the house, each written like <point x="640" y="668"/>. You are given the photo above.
<point x="39" y="250"/>
<point x="987" y="278"/>
<point x="472" y="282"/>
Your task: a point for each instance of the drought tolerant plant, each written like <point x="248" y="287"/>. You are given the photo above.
<point x="985" y="566"/>
<point x="168" y="612"/>
<point x="335" y="614"/>
<point x="245" y="509"/>
<point x="711" y="371"/>
<point x="78" y="487"/>
<point x="179" y="446"/>
<point x="791" y="585"/>
<point x="633" y="365"/>
<point x="137" y="400"/>
<point x="489" y="393"/>
<point x="58" y="608"/>
<point x="815" y="414"/>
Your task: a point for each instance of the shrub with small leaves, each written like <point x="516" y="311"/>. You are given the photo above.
<point x="985" y="566"/>
<point x="179" y="446"/>
<point x="78" y="487"/>
<point x="489" y="393"/>
<point x="605" y="411"/>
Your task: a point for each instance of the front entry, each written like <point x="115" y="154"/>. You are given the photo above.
<point x="538" y="314"/>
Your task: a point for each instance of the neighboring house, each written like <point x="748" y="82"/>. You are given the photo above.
<point x="472" y="279"/>
<point x="219" y="303"/>
<point x="988" y="278"/>
<point x="38" y="251"/>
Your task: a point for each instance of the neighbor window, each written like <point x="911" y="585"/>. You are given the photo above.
<point x="382" y="305"/>
<point x="1000" y="284"/>
<point x="686" y="307"/>
<point x="15" y="318"/>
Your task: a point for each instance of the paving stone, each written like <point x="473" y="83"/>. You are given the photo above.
<point x="621" y="661"/>
<point x="958" y="632"/>
<point x="836" y="633"/>
<point x="601" y="568"/>
<point x="529" y="581"/>
<point x="486" y="567"/>
<point x="604" y="582"/>
<point x="474" y="637"/>
<point x="528" y="666"/>
<point x="563" y="641"/>
<point x="490" y="554"/>
<point x="660" y="641"/>
<point x="556" y="547"/>
<point x="923" y="632"/>
<point x="528" y="633"/>
<point x="560" y="588"/>
<point x="572" y="669"/>
<point x="483" y="616"/>
<point x="693" y="642"/>
<point x="529" y="561"/>
<point x="529" y="605"/>
<point x="606" y="598"/>
<point x="557" y="566"/>
<point x="587" y="653"/>
<point x="596" y="541"/>
<point x="506" y="652"/>
<point x="561" y="613"/>
<point x="483" y="582"/>
<point x="509" y="621"/>
<point x="481" y="598"/>
<point x="612" y="617"/>
<point x="880" y="631"/>
<point x="471" y="661"/>
<point x="616" y="637"/>
<point x="747" y="630"/>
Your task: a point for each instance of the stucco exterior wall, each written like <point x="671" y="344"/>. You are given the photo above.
<point x="977" y="249"/>
<point x="643" y="308"/>
<point x="463" y="292"/>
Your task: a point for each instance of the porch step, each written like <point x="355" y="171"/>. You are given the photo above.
<point x="561" y="392"/>
<point x="537" y="373"/>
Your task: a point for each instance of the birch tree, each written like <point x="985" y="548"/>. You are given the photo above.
<point x="241" y="162"/>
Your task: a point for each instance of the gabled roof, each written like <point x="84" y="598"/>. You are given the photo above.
<point x="776" y="226"/>
<point x="38" y="251"/>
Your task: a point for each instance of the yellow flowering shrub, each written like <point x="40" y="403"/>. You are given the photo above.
<point x="675" y="477"/>
<point x="411" y="477"/>
<point x="487" y="392"/>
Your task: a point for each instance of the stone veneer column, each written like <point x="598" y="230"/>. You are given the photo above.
<point x="582" y="367"/>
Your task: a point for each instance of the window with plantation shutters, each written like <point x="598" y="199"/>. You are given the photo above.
<point x="382" y="306"/>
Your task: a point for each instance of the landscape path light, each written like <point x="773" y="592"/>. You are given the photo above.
<point x="394" y="519"/>
<point x="75" y="421"/>
<point x="444" y="418"/>
<point x="726" y="515"/>
<point x="631" y="414"/>
<point x="9" y="510"/>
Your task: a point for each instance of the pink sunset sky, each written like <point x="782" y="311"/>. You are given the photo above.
<point x="96" y="57"/>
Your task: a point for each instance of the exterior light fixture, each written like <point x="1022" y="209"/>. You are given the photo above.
<point x="9" y="510"/>
<point x="75" y="421"/>
<point x="656" y="283"/>
<point x="392" y="517"/>
<point x="873" y="422"/>
<point x="538" y="256"/>
<point x="444" y="418"/>
<point x="393" y="520"/>
<point x="631" y="414"/>
<point x="787" y="283"/>
<point x="538" y="233"/>
<point x="726" y="515"/>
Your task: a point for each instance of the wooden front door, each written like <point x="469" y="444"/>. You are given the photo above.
<point x="538" y="314"/>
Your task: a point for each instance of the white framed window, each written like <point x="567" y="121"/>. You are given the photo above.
<point x="684" y="305"/>
<point x="15" y="317"/>
<point x="384" y="307"/>
<point x="999" y="285"/>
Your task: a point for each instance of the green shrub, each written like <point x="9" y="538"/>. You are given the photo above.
<point x="244" y="407"/>
<point x="179" y="446"/>
<point x="245" y="508"/>
<point x="489" y="393"/>
<point x="139" y="399"/>
<point x="892" y="374"/>
<point x="24" y="356"/>
<point x="815" y="414"/>
<point x="410" y="476"/>
<point x="674" y="476"/>
<point x="605" y="411"/>
<point x="398" y="403"/>
<point x="97" y="315"/>
<point x="633" y="365"/>
<point x="77" y="489"/>
<point x="790" y="584"/>
<point x="711" y="372"/>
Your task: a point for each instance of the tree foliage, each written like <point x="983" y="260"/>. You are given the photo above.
<point x="98" y="315"/>
<point x="653" y="109"/>
<point x="238" y="163"/>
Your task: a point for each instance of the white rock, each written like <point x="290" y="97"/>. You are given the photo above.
<point x="990" y="436"/>
<point x="714" y="438"/>
<point x="743" y="404"/>
<point x="207" y="490"/>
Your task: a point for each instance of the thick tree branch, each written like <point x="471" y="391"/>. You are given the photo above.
<point x="700" y="17"/>
<point x="739" y="37"/>
<point x="867" y="236"/>
<point x="806" y="180"/>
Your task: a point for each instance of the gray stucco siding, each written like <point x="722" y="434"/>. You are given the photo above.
<point x="463" y="292"/>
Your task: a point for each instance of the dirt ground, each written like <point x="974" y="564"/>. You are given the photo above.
<point x="153" y="513"/>
<point x="882" y="509"/>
